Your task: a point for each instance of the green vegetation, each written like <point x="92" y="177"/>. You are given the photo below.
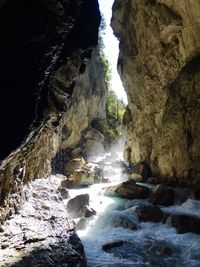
<point x="101" y="47"/>
<point x="115" y="107"/>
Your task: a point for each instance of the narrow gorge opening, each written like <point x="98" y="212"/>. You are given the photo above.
<point x="111" y="49"/>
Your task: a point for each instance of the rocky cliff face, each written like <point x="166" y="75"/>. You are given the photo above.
<point x="159" y="63"/>
<point x="86" y="106"/>
<point x="44" y="48"/>
<point x="88" y="101"/>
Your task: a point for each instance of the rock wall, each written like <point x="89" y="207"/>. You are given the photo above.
<point x="88" y="101"/>
<point x="44" y="48"/>
<point x="159" y="63"/>
<point x="86" y="106"/>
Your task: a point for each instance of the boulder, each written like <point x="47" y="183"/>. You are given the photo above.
<point x="74" y="164"/>
<point x="124" y="223"/>
<point x="76" y="204"/>
<point x="136" y="177"/>
<point x="118" y="243"/>
<point x="98" y="174"/>
<point x="184" y="223"/>
<point x="64" y="192"/>
<point x="128" y="189"/>
<point x="87" y="211"/>
<point x="149" y="214"/>
<point x="83" y="177"/>
<point x="162" y="195"/>
<point x="68" y="183"/>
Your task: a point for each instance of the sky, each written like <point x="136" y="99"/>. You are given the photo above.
<point x="112" y="49"/>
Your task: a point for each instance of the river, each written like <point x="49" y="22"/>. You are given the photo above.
<point x="152" y="245"/>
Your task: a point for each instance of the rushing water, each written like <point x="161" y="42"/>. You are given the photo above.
<point x="153" y="245"/>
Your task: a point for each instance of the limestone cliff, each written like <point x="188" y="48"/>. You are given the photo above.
<point x="86" y="106"/>
<point x="44" y="47"/>
<point x="159" y="63"/>
<point x="88" y="101"/>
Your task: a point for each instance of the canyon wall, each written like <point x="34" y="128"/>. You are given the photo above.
<point x="87" y="103"/>
<point x="159" y="64"/>
<point x="44" y="48"/>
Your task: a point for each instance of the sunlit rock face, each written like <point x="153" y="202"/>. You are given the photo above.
<point x="86" y="106"/>
<point x="44" y="48"/>
<point x="42" y="233"/>
<point x="88" y="102"/>
<point x="159" y="64"/>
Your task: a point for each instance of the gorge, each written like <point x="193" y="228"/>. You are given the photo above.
<point x="57" y="136"/>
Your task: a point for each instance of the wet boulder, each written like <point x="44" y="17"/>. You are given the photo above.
<point x="184" y="223"/>
<point x="128" y="189"/>
<point x="83" y="176"/>
<point x="149" y="213"/>
<point x="124" y="222"/>
<point x="87" y="211"/>
<point x="76" y="204"/>
<point x="68" y="183"/>
<point x="98" y="172"/>
<point x="108" y="246"/>
<point x="73" y="165"/>
<point x="162" y="195"/>
<point x="64" y="192"/>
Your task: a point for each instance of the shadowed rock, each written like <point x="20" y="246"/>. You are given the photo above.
<point x="76" y="204"/>
<point x="106" y="247"/>
<point x="124" y="223"/>
<point x="162" y="195"/>
<point x="184" y="223"/>
<point x="64" y="192"/>
<point x="149" y="214"/>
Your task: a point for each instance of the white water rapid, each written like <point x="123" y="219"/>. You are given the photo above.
<point x="152" y="245"/>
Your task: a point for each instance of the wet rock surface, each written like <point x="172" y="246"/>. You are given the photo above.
<point x="149" y="213"/>
<point x="162" y="195"/>
<point x="124" y="222"/>
<point x="184" y="223"/>
<point x="128" y="189"/>
<point x="42" y="233"/>
<point x="108" y="246"/>
<point x="76" y="205"/>
<point x="134" y="251"/>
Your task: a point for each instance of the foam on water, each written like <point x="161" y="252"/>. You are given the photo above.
<point x="153" y="245"/>
<point x="189" y="207"/>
